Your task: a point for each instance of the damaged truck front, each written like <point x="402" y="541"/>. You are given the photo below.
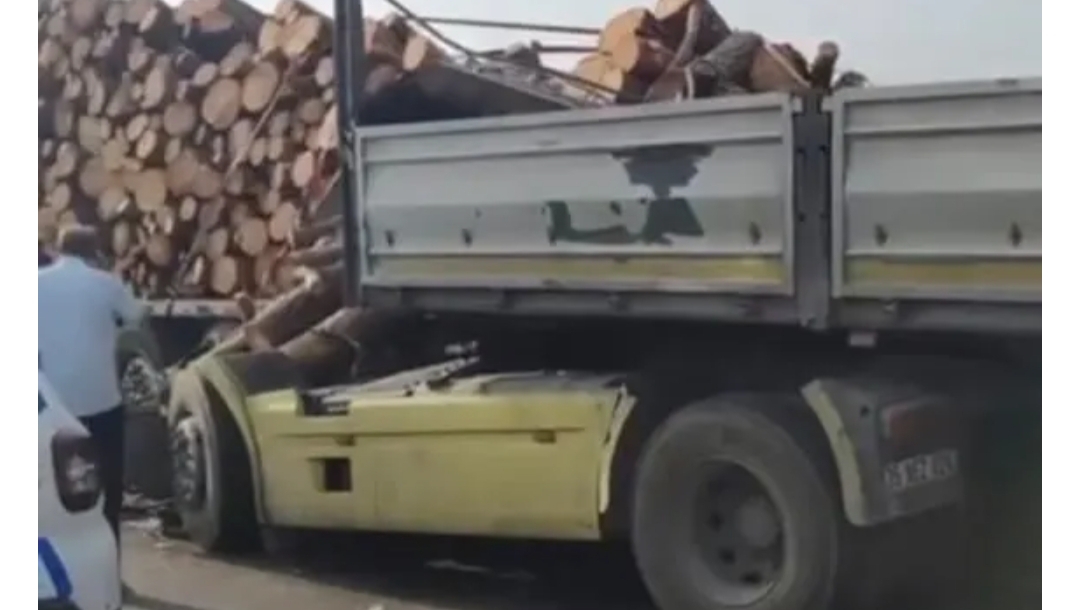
<point x="753" y="336"/>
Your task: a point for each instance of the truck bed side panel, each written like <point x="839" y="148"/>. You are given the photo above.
<point x="677" y="199"/>
<point x="937" y="193"/>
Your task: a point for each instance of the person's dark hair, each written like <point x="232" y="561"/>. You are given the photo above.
<point x="44" y="258"/>
<point x="80" y="241"/>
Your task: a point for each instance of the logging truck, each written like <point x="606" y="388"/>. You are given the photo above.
<point x="753" y="336"/>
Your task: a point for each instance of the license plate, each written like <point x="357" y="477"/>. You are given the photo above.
<point x="920" y="470"/>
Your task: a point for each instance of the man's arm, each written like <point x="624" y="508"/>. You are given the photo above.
<point x="128" y="310"/>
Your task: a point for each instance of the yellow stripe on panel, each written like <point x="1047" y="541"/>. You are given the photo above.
<point x="1026" y="274"/>
<point x="760" y="270"/>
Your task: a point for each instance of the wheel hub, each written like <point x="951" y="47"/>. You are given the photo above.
<point x="188" y="465"/>
<point x="740" y="536"/>
<point x="141" y="385"/>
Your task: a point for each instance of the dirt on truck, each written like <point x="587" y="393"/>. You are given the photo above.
<point x="772" y="329"/>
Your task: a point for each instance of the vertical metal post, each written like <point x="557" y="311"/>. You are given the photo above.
<point x="812" y="214"/>
<point x="350" y="69"/>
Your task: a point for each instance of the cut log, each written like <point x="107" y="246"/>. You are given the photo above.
<point x="93" y="179"/>
<point x="84" y="14"/>
<point x="110" y="202"/>
<point x="306" y="34"/>
<point x="150" y="190"/>
<point x="59" y="198"/>
<point x="63" y="119"/>
<point x="251" y="237"/>
<point x="120" y="239"/>
<point x="283" y="222"/>
<point x="120" y="102"/>
<point x="420" y="52"/>
<point x="269" y="41"/>
<point x="641" y="58"/>
<point x="159" y="251"/>
<point x="303" y="169"/>
<point x="631" y="23"/>
<point x="150" y="147"/>
<point x="221" y="106"/>
<point x="224" y="276"/>
<point x="237" y="59"/>
<point x="208" y="182"/>
<point x="627" y="88"/>
<point x="204" y="75"/>
<point x="179" y="119"/>
<point x="259" y="86"/>
<point x="136" y="126"/>
<point x="311" y="111"/>
<point x="347" y="343"/>
<point x="382" y="42"/>
<point x="328" y="131"/>
<point x="91" y="133"/>
<point x="291" y="313"/>
<point x="217" y="243"/>
<point x="113" y="153"/>
<point x="324" y="72"/>
<point x="67" y="157"/>
<point x="772" y="71"/>
<point x="181" y="172"/>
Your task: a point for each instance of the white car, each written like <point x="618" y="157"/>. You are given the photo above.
<point x="78" y="564"/>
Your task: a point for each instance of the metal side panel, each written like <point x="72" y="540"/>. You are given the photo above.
<point x="937" y="193"/>
<point x="690" y="198"/>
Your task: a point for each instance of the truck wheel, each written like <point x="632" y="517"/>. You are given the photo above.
<point x="143" y="391"/>
<point x="731" y="510"/>
<point x="140" y="370"/>
<point x="211" y="475"/>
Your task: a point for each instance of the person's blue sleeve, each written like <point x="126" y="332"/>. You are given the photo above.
<point x="128" y="309"/>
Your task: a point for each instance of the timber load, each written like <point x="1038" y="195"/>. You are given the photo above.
<point x="201" y="140"/>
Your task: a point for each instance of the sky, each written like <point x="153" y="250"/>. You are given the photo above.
<point x="891" y="41"/>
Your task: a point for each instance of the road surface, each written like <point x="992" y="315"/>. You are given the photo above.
<point x="170" y="575"/>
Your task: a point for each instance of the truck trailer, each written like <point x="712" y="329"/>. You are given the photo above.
<point x="753" y="336"/>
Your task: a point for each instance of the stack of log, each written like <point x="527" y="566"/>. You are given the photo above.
<point x="197" y="139"/>
<point x="685" y="49"/>
<point x="202" y="141"/>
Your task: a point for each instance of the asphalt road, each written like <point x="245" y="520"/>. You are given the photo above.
<point x="381" y="574"/>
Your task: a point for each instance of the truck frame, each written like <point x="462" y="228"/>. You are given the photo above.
<point x="750" y="336"/>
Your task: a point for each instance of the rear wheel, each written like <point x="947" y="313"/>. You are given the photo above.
<point x="733" y="510"/>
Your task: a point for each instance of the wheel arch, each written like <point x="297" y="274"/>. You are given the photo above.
<point x="630" y="432"/>
<point x="208" y="383"/>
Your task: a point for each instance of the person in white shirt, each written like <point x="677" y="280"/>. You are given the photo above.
<point x="81" y="309"/>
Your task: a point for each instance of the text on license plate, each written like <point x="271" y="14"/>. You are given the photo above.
<point x="923" y="469"/>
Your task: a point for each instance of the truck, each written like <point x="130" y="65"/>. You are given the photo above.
<point x="755" y="337"/>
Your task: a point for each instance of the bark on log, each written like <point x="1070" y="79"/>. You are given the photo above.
<point x="345" y="343"/>
<point x="292" y="313"/>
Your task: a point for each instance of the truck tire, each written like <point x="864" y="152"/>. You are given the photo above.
<point x="211" y="474"/>
<point x="734" y="507"/>
<point x="141" y="374"/>
<point x="140" y="368"/>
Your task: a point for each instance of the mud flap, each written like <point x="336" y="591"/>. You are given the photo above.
<point x="899" y="448"/>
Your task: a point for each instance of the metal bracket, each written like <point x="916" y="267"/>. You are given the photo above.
<point x="812" y="128"/>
